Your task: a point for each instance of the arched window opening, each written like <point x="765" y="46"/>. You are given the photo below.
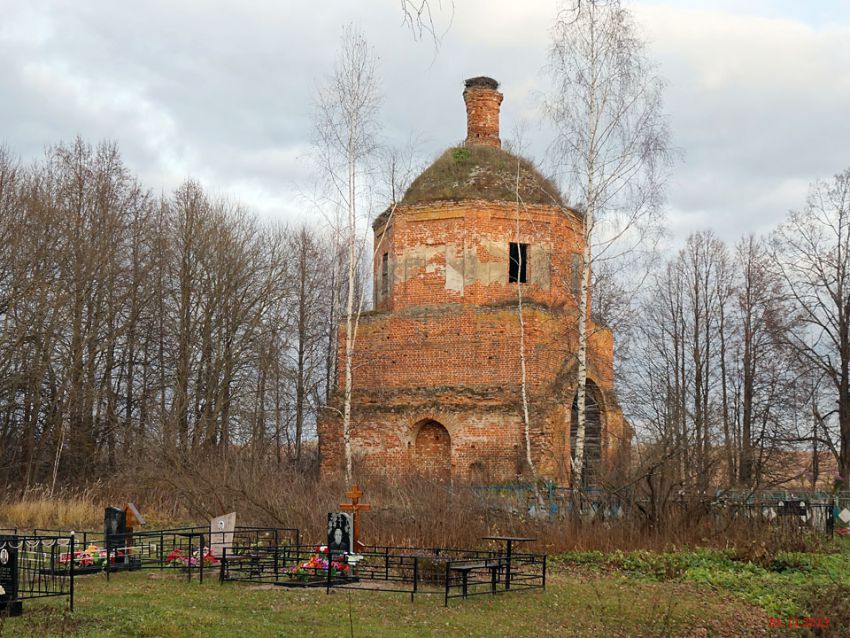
<point x="434" y="450"/>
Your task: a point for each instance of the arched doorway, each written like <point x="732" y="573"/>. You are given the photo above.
<point x="433" y="450"/>
<point x="592" y="434"/>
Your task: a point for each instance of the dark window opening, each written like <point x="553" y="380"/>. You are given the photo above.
<point x="517" y="268"/>
<point x="385" y="271"/>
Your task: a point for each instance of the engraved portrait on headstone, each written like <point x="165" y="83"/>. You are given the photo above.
<point x="339" y="532"/>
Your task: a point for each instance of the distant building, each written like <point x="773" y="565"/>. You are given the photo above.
<point x="437" y="381"/>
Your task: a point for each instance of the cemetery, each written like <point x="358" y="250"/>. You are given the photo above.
<point x="46" y="563"/>
<point x="523" y="319"/>
<point x="81" y="574"/>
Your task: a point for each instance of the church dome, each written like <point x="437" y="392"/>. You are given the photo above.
<point x="480" y="168"/>
<point x="478" y="171"/>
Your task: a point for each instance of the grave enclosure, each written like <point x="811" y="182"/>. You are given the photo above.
<point x="46" y="563"/>
<point x="439" y="571"/>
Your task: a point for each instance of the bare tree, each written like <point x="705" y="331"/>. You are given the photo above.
<point x="312" y="266"/>
<point x="419" y="17"/>
<point x="346" y="127"/>
<point x="611" y="142"/>
<point x="812" y="253"/>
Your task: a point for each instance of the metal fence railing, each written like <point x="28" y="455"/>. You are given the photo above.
<point x="768" y="507"/>
<point x="183" y="550"/>
<point x="35" y="567"/>
<point x="447" y="572"/>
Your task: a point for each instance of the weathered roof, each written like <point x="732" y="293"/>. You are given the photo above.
<point x="482" y="172"/>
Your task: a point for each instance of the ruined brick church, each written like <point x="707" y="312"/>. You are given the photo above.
<point x="437" y="368"/>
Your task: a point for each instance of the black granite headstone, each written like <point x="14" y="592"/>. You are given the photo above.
<point x="114" y="526"/>
<point x="340" y="533"/>
<point x="9" y="603"/>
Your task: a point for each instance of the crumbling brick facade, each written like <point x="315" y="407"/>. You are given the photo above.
<point x="437" y="370"/>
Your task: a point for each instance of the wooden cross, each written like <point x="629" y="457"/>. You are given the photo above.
<point x="355" y="506"/>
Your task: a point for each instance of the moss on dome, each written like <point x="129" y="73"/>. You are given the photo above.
<point x="481" y="172"/>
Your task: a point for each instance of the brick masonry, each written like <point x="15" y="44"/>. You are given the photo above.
<point x="437" y="385"/>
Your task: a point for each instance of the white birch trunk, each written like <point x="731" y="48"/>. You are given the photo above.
<point x="349" y="320"/>
<point x="583" y="316"/>
<point x="522" y="362"/>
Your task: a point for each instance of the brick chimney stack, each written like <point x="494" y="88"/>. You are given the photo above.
<point x="482" y="111"/>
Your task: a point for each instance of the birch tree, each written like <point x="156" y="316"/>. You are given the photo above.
<point x="611" y="144"/>
<point x="347" y="130"/>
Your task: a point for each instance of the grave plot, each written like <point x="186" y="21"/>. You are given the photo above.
<point x="447" y="572"/>
<point x="345" y="562"/>
<point x="188" y="550"/>
<point x="32" y="567"/>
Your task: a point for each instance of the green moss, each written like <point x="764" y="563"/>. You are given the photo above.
<point x="482" y="172"/>
<point x="782" y="587"/>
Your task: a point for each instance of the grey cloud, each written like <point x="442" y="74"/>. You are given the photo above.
<point x="223" y="91"/>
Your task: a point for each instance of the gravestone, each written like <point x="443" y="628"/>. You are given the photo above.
<point x="9" y="603"/>
<point x="114" y="526"/>
<point x="221" y="533"/>
<point x="340" y="533"/>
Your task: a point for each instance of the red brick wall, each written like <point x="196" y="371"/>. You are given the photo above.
<point x="443" y="345"/>
<point x="482" y="115"/>
<point x="458" y="253"/>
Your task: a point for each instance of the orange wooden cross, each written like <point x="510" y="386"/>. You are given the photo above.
<point x="355" y="506"/>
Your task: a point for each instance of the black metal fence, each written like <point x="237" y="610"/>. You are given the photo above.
<point x="798" y="510"/>
<point x="448" y="572"/>
<point x="183" y="550"/>
<point x="37" y="567"/>
<point x="521" y="571"/>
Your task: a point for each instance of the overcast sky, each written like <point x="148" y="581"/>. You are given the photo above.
<point x="758" y="93"/>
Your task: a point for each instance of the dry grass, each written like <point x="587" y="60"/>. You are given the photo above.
<point x="80" y="509"/>
<point x="37" y="509"/>
<point x="405" y="512"/>
<point x="481" y="172"/>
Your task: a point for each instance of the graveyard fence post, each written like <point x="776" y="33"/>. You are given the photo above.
<point x="108" y="557"/>
<point x="72" y="571"/>
<point x="201" y="559"/>
<point x="415" y="576"/>
<point x="446" y="603"/>
<point x="276" y="541"/>
<point x="223" y="565"/>
<point x="330" y="557"/>
<point x="544" y="571"/>
<point x="386" y="563"/>
<point x="189" y="562"/>
<point x="161" y="546"/>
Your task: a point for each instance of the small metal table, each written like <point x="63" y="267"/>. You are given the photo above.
<point x="510" y="540"/>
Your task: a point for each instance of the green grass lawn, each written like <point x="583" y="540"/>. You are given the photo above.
<point x="578" y="601"/>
